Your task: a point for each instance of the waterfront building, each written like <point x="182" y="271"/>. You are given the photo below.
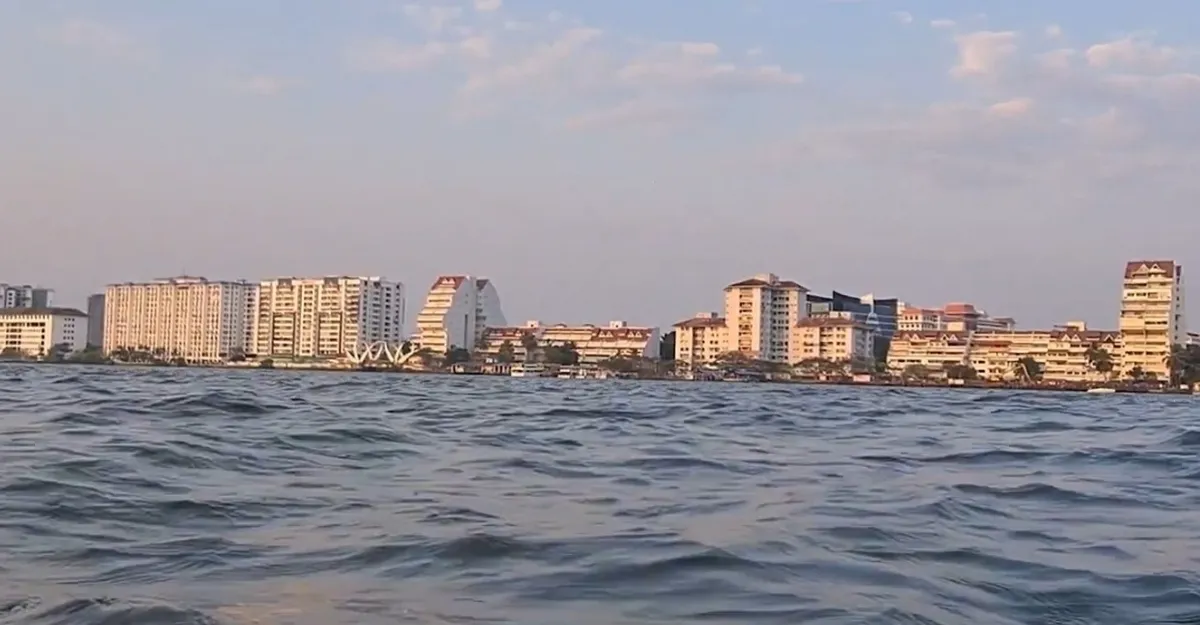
<point x="34" y="332"/>
<point x="931" y="349"/>
<point x="760" y="314"/>
<point x="593" y="343"/>
<point x="1152" y="315"/>
<point x="1062" y="353"/>
<point x="95" y="313"/>
<point x="700" y="340"/>
<point x="25" y="296"/>
<point x="325" y="317"/>
<point x="457" y="310"/>
<point x="834" y="338"/>
<point x="199" y="320"/>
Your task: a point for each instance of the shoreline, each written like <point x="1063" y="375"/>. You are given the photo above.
<point x="975" y="385"/>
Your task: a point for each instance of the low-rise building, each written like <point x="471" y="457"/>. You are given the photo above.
<point x="700" y="340"/>
<point x="593" y="343"/>
<point x="34" y="332"/>
<point x="932" y="350"/>
<point x="836" y="338"/>
<point x="1065" y="354"/>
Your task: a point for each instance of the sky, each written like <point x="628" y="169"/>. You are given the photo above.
<point x="606" y="160"/>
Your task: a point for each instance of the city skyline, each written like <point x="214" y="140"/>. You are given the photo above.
<point x="615" y="155"/>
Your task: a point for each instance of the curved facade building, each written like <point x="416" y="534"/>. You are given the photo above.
<point x="457" y="310"/>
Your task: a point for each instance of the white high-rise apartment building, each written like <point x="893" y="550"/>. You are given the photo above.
<point x="25" y="296"/>
<point x="456" y="312"/>
<point x="760" y="313"/>
<point x="199" y="320"/>
<point x="1152" y="315"/>
<point x="326" y="317"/>
<point x="35" y="331"/>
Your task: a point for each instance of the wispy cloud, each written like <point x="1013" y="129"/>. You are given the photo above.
<point x="96" y="37"/>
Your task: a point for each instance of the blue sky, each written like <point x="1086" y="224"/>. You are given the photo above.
<point x="606" y="160"/>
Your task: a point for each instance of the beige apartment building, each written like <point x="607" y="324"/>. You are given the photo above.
<point x="700" y="340"/>
<point x="33" y="332"/>
<point x="326" y="317"/>
<point x="1062" y="352"/>
<point x="832" y="338"/>
<point x="930" y="349"/>
<point x="760" y="313"/>
<point x="593" y="343"/>
<point x="1152" y="315"/>
<point x="202" y="321"/>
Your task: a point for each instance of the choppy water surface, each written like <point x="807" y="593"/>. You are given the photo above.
<point x="179" y="496"/>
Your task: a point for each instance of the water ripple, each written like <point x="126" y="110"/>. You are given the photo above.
<point x="174" y="496"/>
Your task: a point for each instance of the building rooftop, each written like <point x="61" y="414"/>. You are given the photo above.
<point x="701" y="322"/>
<point x="54" y="311"/>
<point x="1168" y="267"/>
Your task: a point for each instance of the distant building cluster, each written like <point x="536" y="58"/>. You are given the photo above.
<point x="194" y="320"/>
<point x="773" y="320"/>
<point x="764" y="319"/>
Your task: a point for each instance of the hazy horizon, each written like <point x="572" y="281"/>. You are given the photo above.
<point x="605" y="161"/>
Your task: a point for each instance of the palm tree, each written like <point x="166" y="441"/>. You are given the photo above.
<point x="506" y="353"/>
<point x="530" y="344"/>
<point x="1184" y="364"/>
<point x="1028" y="369"/>
<point x="1099" y="360"/>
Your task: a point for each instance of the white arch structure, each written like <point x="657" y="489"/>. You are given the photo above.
<point x="381" y="352"/>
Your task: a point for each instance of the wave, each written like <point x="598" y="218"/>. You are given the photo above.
<point x="191" y="496"/>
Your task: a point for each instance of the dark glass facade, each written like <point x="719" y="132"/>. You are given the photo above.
<point x="880" y="314"/>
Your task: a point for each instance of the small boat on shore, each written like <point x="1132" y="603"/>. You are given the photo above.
<point x="1103" y="391"/>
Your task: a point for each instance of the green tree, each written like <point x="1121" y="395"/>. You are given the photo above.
<point x="620" y="364"/>
<point x="529" y="342"/>
<point x="11" y="353"/>
<point x="90" y="354"/>
<point x="1184" y="364"/>
<point x="58" y="352"/>
<point x="563" y="354"/>
<point x="1028" y="369"/>
<point x="919" y="373"/>
<point x="960" y="371"/>
<point x="455" y="355"/>
<point x="1137" y="373"/>
<point x="507" y="353"/>
<point x="1099" y="360"/>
